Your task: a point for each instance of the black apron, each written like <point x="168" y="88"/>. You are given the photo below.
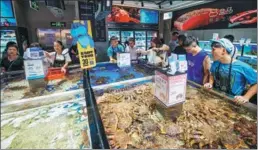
<point x="59" y="63"/>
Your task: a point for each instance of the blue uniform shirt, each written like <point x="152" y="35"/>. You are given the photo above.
<point x="241" y="74"/>
<point x="111" y="52"/>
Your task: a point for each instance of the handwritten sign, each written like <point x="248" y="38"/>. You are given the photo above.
<point x="123" y="60"/>
<point x="34" y="69"/>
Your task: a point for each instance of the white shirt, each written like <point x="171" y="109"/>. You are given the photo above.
<point x="132" y="52"/>
<point x="64" y="56"/>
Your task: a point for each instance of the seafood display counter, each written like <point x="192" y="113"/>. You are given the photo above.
<point x="58" y="120"/>
<point x="131" y="120"/>
<point x="17" y="87"/>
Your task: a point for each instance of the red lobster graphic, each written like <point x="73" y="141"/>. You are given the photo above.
<point x="121" y="15"/>
<point x="246" y="17"/>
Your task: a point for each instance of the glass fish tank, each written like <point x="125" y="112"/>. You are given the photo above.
<point x="133" y="119"/>
<point x="61" y="125"/>
<point x="17" y="87"/>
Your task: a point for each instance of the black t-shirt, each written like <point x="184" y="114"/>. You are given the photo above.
<point x="179" y="50"/>
<point x="12" y="65"/>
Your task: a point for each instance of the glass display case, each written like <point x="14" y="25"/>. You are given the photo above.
<point x="6" y="36"/>
<point x="150" y="36"/>
<point x="247" y="54"/>
<point x="113" y="33"/>
<point x="126" y="112"/>
<point x="125" y="35"/>
<point x="140" y="39"/>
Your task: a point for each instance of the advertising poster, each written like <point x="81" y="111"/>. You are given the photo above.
<point x="161" y="87"/>
<point x="81" y="32"/>
<point x="217" y="15"/>
<point x="121" y="14"/>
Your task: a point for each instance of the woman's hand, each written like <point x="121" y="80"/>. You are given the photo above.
<point x="47" y="54"/>
<point x="208" y="86"/>
<point x="240" y="100"/>
<point x="63" y="69"/>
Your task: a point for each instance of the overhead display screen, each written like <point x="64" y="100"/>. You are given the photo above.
<point x="217" y="15"/>
<point x="120" y="14"/>
<point x="6" y="9"/>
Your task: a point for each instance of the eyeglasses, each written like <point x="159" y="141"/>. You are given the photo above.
<point x="216" y="45"/>
<point x="130" y="42"/>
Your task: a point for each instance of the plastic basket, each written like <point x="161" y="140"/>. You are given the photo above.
<point x="54" y="74"/>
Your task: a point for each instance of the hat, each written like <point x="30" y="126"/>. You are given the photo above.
<point x="226" y="44"/>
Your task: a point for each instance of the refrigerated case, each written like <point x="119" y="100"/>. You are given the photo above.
<point x="15" y="34"/>
<point x="125" y="35"/>
<point x="150" y="36"/>
<point x="113" y="33"/>
<point x="142" y="37"/>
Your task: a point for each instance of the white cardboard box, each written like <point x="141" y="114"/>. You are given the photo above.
<point x="170" y="90"/>
<point x="123" y="60"/>
<point x="34" y="69"/>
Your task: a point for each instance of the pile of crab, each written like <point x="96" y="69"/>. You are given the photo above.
<point x="131" y="120"/>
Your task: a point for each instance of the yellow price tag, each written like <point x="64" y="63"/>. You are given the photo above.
<point x="86" y="56"/>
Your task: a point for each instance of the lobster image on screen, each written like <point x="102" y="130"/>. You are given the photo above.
<point x="121" y="15"/>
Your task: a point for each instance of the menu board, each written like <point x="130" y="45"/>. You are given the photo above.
<point x="217" y="15"/>
<point x="100" y="31"/>
<point x="86" y="11"/>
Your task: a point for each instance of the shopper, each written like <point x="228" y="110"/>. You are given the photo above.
<point x="12" y="61"/>
<point x="159" y="49"/>
<point x="230" y="75"/>
<point x="198" y="61"/>
<point x="231" y="38"/>
<point x="73" y="52"/>
<point x="59" y="58"/>
<point x="173" y="43"/>
<point x="6" y="48"/>
<point x="179" y="50"/>
<point x="113" y="49"/>
<point x="131" y="48"/>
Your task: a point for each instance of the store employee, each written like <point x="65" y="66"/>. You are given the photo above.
<point x="230" y="75"/>
<point x="61" y="57"/>
<point x="114" y="49"/>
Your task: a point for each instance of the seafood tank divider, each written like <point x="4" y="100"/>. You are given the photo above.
<point x="22" y="104"/>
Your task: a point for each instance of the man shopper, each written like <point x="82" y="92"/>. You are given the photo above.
<point x="173" y="43"/>
<point x="230" y="75"/>
<point x="198" y="61"/>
